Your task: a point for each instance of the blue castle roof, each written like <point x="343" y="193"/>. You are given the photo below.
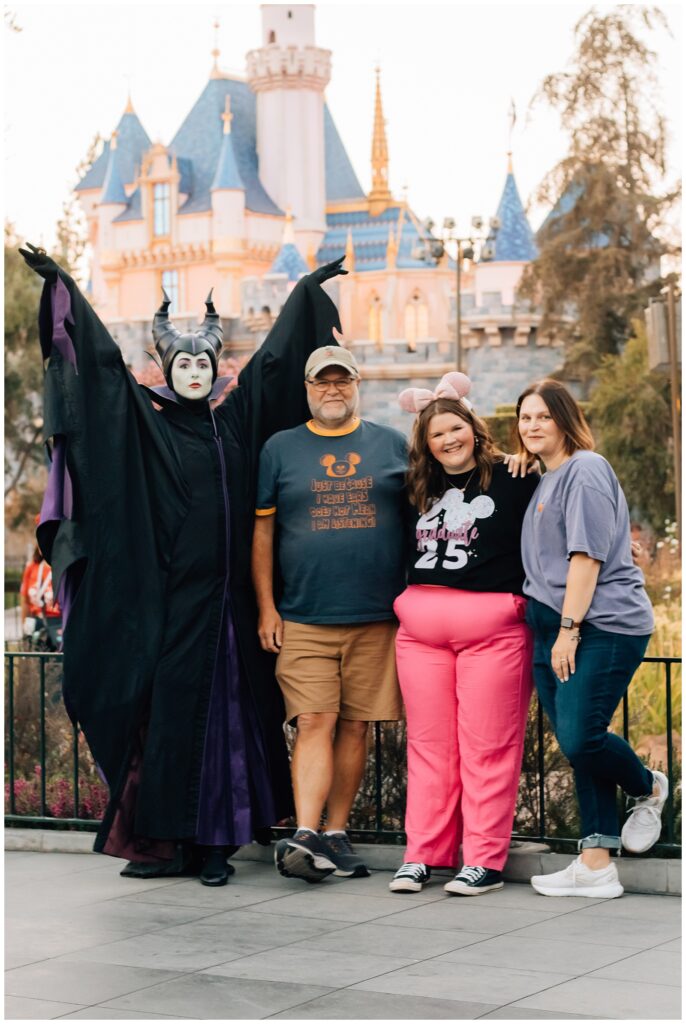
<point x="113" y="188"/>
<point x="132" y="143"/>
<point x="514" y="240"/>
<point x="341" y="180"/>
<point x="370" y="238"/>
<point x="227" y="174"/>
<point x="289" y="261"/>
<point x="203" y="159"/>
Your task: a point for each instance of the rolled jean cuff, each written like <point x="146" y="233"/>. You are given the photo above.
<point x="598" y="841"/>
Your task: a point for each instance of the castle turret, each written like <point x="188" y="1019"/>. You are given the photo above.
<point x="113" y="201"/>
<point x="228" y="215"/>
<point x="288" y="74"/>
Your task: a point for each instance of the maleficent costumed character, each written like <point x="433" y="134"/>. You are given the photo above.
<point x="147" y="523"/>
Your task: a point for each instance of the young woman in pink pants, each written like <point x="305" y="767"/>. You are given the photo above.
<point x="463" y="648"/>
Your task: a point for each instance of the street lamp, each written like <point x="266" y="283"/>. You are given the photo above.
<point x="431" y="250"/>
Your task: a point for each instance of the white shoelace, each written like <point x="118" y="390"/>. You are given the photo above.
<point x="472" y="874"/>
<point x="411" y="870"/>
<point x="645" y="815"/>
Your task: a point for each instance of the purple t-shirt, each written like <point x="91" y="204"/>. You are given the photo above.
<point x="580" y="507"/>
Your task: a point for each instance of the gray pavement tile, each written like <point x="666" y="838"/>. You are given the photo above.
<point x="608" y="930"/>
<point x="191" y="893"/>
<point x="264" y="875"/>
<point x="20" y="1008"/>
<point x="639" y="908"/>
<point x="672" y="945"/>
<point x="30" y="941"/>
<point x="621" y="1000"/>
<point x="523" y="897"/>
<point x="515" y="1013"/>
<point x="20" y="866"/>
<point x="161" y="951"/>
<point x="352" y="1005"/>
<point x="79" y="889"/>
<point x="329" y="903"/>
<point x="466" y="982"/>
<point x="247" y="932"/>
<point x="305" y="962"/>
<point x="377" y="885"/>
<point x="78" y="982"/>
<point x="556" y="955"/>
<point x="477" y="914"/>
<point x="211" y="997"/>
<point x="118" y="916"/>
<point x="105" y="1013"/>
<point x="387" y="940"/>
<point x="654" y="966"/>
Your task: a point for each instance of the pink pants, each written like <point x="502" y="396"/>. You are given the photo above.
<point x="464" y="665"/>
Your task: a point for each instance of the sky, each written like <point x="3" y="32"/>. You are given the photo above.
<point x="449" y="73"/>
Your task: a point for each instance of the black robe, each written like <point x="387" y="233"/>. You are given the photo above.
<point x="144" y="540"/>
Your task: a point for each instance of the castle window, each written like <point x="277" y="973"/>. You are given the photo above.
<point x="375" y="326"/>
<point x="161" y="209"/>
<point x="416" y="320"/>
<point x="272" y="36"/>
<point x="170" y="283"/>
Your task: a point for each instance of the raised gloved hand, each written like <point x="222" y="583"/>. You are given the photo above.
<point x="328" y="270"/>
<point x="38" y="260"/>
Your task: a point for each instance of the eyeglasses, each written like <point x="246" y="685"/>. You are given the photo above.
<point x="340" y="384"/>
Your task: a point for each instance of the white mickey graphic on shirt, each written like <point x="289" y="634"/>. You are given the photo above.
<point x="458" y="518"/>
<point x="458" y="513"/>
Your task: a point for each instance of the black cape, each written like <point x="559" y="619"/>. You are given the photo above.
<point x="150" y="561"/>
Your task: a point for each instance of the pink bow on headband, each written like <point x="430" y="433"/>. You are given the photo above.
<point x="453" y="385"/>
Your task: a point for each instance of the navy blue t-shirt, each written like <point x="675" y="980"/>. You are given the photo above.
<point x="339" y="501"/>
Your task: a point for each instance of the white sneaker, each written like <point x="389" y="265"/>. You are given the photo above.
<point x="643" y="826"/>
<point x="578" y="880"/>
<point x="410" y="877"/>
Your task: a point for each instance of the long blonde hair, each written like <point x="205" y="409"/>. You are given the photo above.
<point x="426" y="477"/>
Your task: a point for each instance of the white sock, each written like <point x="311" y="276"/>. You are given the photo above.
<point x="335" y="832"/>
<point x="304" y="828"/>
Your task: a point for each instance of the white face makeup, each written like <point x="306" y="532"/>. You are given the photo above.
<point x="192" y="375"/>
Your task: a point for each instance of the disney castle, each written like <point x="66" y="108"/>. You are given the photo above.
<point x="256" y="188"/>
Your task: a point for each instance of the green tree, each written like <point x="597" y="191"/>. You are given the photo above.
<point x="631" y="418"/>
<point x="600" y="248"/>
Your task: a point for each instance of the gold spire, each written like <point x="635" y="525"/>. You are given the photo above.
<point x="380" y="195"/>
<point x="349" y="252"/>
<point x="311" y="257"/>
<point x="129" y="105"/>
<point x="509" y="162"/>
<point x="227" y="116"/>
<point x="113" y="140"/>
<point x="215" y="51"/>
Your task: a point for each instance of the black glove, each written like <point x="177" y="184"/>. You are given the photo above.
<point x="328" y="270"/>
<point x="39" y="261"/>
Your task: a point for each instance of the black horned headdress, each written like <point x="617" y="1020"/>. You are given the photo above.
<point x="169" y="341"/>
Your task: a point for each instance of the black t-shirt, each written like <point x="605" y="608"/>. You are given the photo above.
<point x="471" y="541"/>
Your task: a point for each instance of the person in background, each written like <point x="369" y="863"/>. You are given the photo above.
<point x="37" y="600"/>
<point x="592" y="621"/>
<point x="463" y="648"/>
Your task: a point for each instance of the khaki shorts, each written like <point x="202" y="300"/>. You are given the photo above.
<point x="347" y="669"/>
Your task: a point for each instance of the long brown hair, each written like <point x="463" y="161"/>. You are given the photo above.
<point x="566" y="412"/>
<point x="426" y="477"/>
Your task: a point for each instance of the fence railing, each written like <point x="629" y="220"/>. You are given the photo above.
<point x="52" y="782"/>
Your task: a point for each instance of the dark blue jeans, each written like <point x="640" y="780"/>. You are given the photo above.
<point x="580" y="712"/>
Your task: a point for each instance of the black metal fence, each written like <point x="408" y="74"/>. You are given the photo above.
<point x="51" y="780"/>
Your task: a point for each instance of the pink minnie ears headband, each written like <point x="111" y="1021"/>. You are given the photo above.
<point x="453" y="385"/>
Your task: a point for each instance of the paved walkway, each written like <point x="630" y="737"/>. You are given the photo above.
<point x="84" y="943"/>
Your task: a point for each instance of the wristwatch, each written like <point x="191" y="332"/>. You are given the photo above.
<point x="567" y="622"/>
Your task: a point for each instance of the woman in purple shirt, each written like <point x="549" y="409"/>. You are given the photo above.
<point x="592" y="621"/>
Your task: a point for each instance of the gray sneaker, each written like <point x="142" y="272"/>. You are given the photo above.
<point x="304" y="856"/>
<point x="348" y="864"/>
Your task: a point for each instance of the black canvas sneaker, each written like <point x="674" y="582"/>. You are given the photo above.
<point x="410" y="877"/>
<point x="473" y="881"/>
<point x="340" y="851"/>
<point x="304" y="856"/>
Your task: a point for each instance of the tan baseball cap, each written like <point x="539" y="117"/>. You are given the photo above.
<point x="331" y="355"/>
